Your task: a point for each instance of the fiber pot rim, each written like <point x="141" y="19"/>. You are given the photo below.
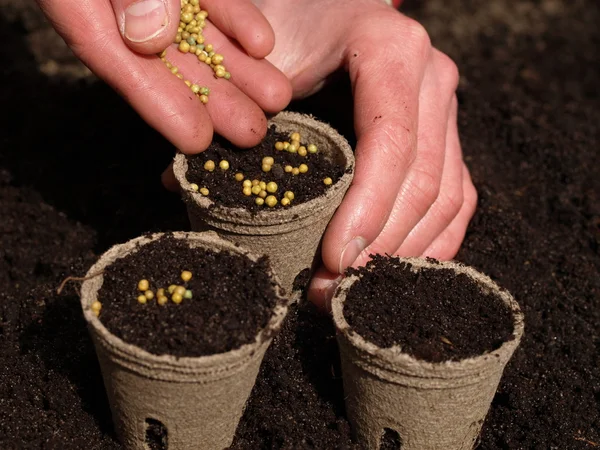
<point x="187" y="364"/>
<point x="395" y="360"/>
<point x="294" y="212"/>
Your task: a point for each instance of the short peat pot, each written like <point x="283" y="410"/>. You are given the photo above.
<point x="288" y="232"/>
<point x="180" y="323"/>
<point x="423" y="345"/>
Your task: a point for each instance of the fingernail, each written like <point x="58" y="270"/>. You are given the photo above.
<point x="351" y="252"/>
<point x="144" y="20"/>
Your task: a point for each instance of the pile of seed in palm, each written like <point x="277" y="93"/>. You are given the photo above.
<point x="225" y="298"/>
<point x="280" y="172"/>
<point x="190" y="39"/>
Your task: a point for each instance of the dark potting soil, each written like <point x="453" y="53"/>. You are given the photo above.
<point x="225" y="190"/>
<point x="528" y="120"/>
<point x="434" y="314"/>
<point x="233" y="298"/>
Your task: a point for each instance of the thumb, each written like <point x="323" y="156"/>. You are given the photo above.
<point x="147" y="26"/>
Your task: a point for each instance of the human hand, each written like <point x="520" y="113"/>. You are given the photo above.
<point x="411" y="194"/>
<point x="119" y="39"/>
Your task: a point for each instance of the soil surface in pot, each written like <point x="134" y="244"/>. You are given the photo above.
<point x="225" y="190"/>
<point x="529" y="125"/>
<point x="432" y="314"/>
<point x="232" y="299"/>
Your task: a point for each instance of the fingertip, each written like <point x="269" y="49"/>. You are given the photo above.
<point x="148" y="26"/>
<point x="168" y="179"/>
<point x="322" y="288"/>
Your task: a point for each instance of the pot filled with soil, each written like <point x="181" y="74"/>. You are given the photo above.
<point x="276" y="198"/>
<point x="423" y="345"/>
<point x="180" y="323"/>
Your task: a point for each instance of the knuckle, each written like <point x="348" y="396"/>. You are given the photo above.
<point x="449" y="73"/>
<point x="424" y="188"/>
<point x="418" y="35"/>
<point x="451" y="203"/>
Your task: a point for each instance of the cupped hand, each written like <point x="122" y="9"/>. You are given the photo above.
<point x="411" y="194"/>
<point x="119" y="39"/>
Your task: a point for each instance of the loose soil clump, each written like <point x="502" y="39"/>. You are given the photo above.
<point x="225" y="190"/>
<point x="232" y="299"/>
<point x="432" y="314"/>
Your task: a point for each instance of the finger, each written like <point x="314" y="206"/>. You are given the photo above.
<point x="162" y="100"/>
<point x="257" y="78"/>
<point x="386" y="112"/>
<point x="449" y="201"/>
<point x="421" y="187"/>
<point x="168" y="179"/>
<point x="322" y="287"/>
<point x="242" y="21"/>
<point x="147" y="26"/>
<point x="233" y="114"/>
<point x="447" y="244"/>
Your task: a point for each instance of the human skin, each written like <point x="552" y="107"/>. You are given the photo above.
<point x="411" y="194"/>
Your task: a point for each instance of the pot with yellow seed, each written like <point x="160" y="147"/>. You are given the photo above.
<point x="198" y="400"/>
<point x="290" y="236"/>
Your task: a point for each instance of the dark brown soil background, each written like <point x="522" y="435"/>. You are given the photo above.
<point x="434" y="314"/>
<point x="79" y="172"/>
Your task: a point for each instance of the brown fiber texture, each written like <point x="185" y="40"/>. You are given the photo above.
<point x="291" y="236"/>
<point x="198" y="400"/>
<point x="432" y="406"/>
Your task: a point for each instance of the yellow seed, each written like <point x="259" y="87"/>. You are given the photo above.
<point x="247" y="183"/>
<point x="202" y="57"/>
<point x="255" y="182"/>
<point x="271" y="201"/>
<point x="247" y="191"/>
<point x="185" y="35"/>
<point x="303" y="168"/>
<point x="239" y="176"/>
<point x="327" y="181"/>
<point x="220" y="73"/>
<point x="224" y="164"/>
<point x="96" y="313"/>
<point x="262" y="185"/>
<point x="268" y="160"/>
<point x="259" y="201"/>
<point x="209" y="165"/>
<point x="188" y="83"/>
<point x="256" y="189"/>
<point x="142" y="299"/>
<point x="177" y="298"/>
<point x="162" y="300"/>
<point x="174" y="70"/>
<point x="179" y="290"/>
<point x="194" y="187"/>
<point x="285" y="201"/>
<point x="204" y="191"/>
<point x="160" y="292"/>
<point x="278" y="145"/>
<point x="295" y="136"/>
<point x="262" y="194"/>
<point x="288" y="169"/>
<point x="271" y="187"/>
<point x="204" y="98"/>
<point x="193" y="49"/>
<point x="286" y="145"/>
<point x="292" y="148"/>
<point x="195" y="88"/>
<point x="289" y="195"/>
<point x="295" y="171"/>
<point x="96" y="306"/>
<point x="187" y="17"/>
<point x="184" y="47"/>
<point x="143" y="285"/>
<point x="186" y="275"/>
<point x="295" y="142"/>
<point x="302" y="151"/>
<point x="266" y="167"/>
<point x="217" y="58"/>
<point x="180" y="76"/>
<point x="208" y="61"/>
<point x="149" y="294"/>
<point x="209" y="48"/>
<point x="312" y="148"/>
<point x="171" y="289"/>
